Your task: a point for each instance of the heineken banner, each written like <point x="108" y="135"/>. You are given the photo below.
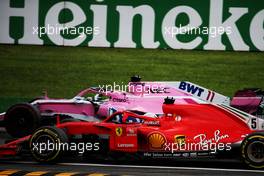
<point x="182" y="24"/>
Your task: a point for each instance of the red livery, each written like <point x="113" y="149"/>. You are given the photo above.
<point x="185" y="130"/>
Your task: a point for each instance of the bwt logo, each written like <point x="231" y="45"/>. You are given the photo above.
<point x="191" y="88"/>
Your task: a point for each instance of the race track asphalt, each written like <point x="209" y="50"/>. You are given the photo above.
<point x="185" y="168"/>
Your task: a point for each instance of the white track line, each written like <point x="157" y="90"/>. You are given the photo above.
<point x="152" y="167"/>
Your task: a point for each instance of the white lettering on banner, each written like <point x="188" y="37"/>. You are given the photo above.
<point x="52" y="19"/>
<point x="30" y="15"/>
<point x="257" y="30"/>
<point x="222" y="22"/>
<point x="100" y="21"/>
<point x="127" y="13"/>
<point x="194" y="22"/>
<point x="216" y="16"/>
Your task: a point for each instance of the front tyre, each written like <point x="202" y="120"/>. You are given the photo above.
<point x="21" y="120"/>
<point x="253" y="150"/>
<point x="48" y="144"/>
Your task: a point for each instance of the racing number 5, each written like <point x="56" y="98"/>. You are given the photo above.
<point x="253" y="123"/>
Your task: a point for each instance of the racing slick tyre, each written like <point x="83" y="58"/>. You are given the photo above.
<point x="48" y="144"/>
<point x="252" y="149"/>
<point x="21" y="120"/>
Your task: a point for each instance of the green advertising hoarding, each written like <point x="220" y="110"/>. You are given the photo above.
<point x="182" y="24"/>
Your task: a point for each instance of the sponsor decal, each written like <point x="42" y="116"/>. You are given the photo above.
<point x="179" y="139"/>
<point x="131" y="132"/>
<point x="119" y="131"/>
<point x="136" y="83"/>
<point x="202" y="138"/>
<point x="175" y="155"/>
<point x="158" y="90"/>
<point x="208" y="28"/>
<point x="156" y="140"/>
<point x="190" y="88"/>
<point x="125" y="145"/>
<point x="120" y="100"/>
<point x="153" y="123"/>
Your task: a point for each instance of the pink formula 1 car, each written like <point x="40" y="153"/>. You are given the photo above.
<point x="144" y="98"/>
<point x="250" y="100"/>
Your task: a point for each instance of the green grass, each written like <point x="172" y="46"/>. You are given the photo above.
<point x="26" y="71"/>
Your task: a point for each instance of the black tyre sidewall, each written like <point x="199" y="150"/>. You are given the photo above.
<point x="11" y="120"/>
<point x="249" y="139"/>
<point x="58" y="136"/>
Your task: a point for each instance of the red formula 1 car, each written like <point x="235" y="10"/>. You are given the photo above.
<point x="186" y="130"/>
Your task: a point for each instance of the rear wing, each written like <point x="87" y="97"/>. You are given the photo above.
<point x="177" y="88"/>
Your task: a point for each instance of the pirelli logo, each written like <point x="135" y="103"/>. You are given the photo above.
<point x="46" y="173"/>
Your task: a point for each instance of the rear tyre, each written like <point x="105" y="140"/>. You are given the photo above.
<point x="253" y="150"/>
<point x="48" y="144"/>
<point x="21" y="120"/>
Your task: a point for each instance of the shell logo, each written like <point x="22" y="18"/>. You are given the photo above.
<point x="156" y="140"/>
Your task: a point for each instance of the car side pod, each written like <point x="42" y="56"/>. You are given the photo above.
<point x="252" y="150"/>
